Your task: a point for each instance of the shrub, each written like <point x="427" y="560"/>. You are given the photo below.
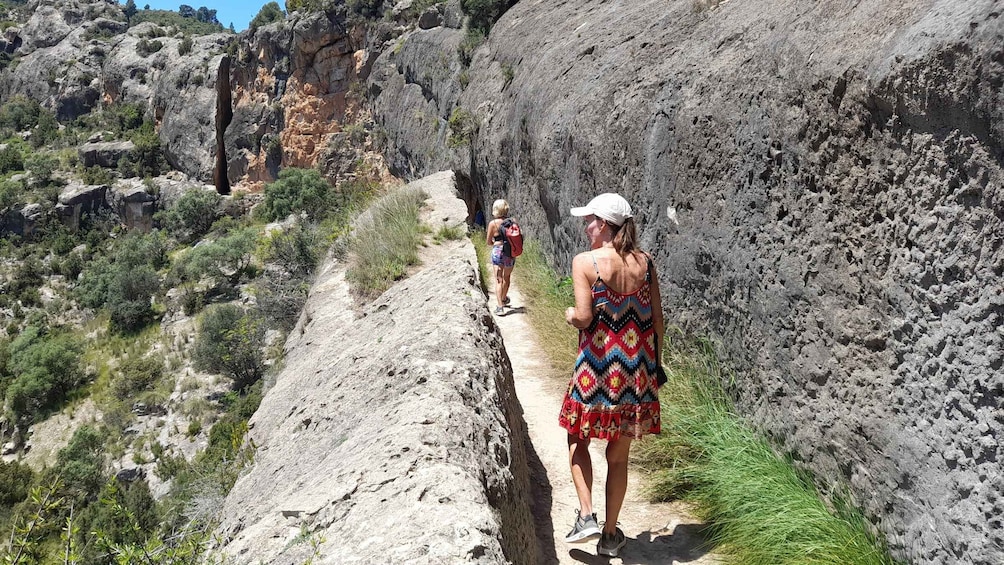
<point x="145" y="47"/>
<point x="473" y="39"/>
<point x="41" y="165"/>
<point x="385" y="245"/>
<point x="81" y="463"/>
<point x="46" y="129"/>
<point x="128" y="297"/>
<point x="192" y="216"/>
<point x="47" y="367"/>
<point x="185" y="47"/>
<point x="294" y="251"/>
<point x="484" y="13"/>
<point x="367" y="9"/>
<point x="296" y="190"/>
<point x="268" y="14"/>
<point x="10" y="159"/>
<point x="19" y="114"/>
<point x="225" y="261"/>
<point x="230" y="341"/>
<point x="15" y="482"/>
<point x="462" y="127"/>
<point x="96" y="175"/>
<point x="304" y="6"/>
<point x="147" y="159"/>
<point x="169" y="18"/>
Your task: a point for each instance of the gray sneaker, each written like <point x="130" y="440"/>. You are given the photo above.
<point x="585" y="527"/>
<point x="610" y="545"/>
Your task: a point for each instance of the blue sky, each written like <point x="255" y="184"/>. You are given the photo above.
<point x="239" y="12"/>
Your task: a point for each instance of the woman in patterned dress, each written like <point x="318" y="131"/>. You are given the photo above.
<point x="613" y="394"/>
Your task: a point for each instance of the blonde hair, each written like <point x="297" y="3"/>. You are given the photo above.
<point x="500" y="209"/>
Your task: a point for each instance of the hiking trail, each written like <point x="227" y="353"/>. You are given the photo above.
<point x="657" y="534"/>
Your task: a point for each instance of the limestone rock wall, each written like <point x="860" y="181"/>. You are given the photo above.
<point x="76" y="56"/>
<point x="836" y="172"/>
<point x="394" y="433"/>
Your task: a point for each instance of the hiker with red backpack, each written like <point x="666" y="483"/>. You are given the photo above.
<point x="506" y="239"/>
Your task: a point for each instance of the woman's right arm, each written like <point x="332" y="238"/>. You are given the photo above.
<point x="581" y="315"/>
<point x="490" y="233"/>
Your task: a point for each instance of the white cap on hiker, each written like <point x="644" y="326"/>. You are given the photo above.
<point x="608" y="206"/>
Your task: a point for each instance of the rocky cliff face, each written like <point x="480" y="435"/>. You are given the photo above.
<point x="290" y="88"/>
<point x="75" y="56"/>
<point x="836" y="173"/>
<point x="393" y="442"/>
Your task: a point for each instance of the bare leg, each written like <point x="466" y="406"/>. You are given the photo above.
<point x="617" y="479"/>
<point x="506" y="275"/>
<point x="582" y="472"/>
<point x="500" y="285"/>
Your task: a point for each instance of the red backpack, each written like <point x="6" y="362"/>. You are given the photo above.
<point x="513" y="236"/>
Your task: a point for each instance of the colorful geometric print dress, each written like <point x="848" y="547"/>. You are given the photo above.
<point x="613" y="391"/>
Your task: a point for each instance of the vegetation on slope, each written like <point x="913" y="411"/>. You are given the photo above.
<point x="86" y="316"/>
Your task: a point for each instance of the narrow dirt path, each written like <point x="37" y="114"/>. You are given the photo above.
<point x="657" y="533"/>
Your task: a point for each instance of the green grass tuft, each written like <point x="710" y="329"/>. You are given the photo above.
<point x="386" y="242"/>
<point x="761" y="508"/>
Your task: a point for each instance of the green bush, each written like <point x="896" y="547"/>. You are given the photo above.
<point x="15" y="481"/>
<point x="295" y="251"/>
<point x="463" y="125"/>
<point x="282" y="290"/>
<point x="169" y="18"/>
<point x="96" y="176"/>
<point x="225" y="262"/>
<point x="304" y="6"/>
<point x="147" y="159"/>
<point x="41" y="165"/>
<point x="128" y="297"/>
<point x="387" y="244"/>
<point x="366" y="9"/>
<point x="145" y="47"/>
<point x="20" y="113"/>
<point x="473" y="39"/>
<point x="46" y="367"/>
<point x="484" y="13"/>
<point x="297" y="190"/>
<point x="192" y="216"/>
<point x="126" y="285"/>
<point x="185" y="47"/>
<point x="268" y="14"/>
<point x="137" y="374"/>
<point x="11" y="193"/>
<point x="10" y="159"/>
<point x="81" y="464"/>
<point x="230" y="341"/>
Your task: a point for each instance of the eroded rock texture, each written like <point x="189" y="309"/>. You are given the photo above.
<point x="836" y="172"/>
<point x="290" y="83"/>
<point x="394" y="434"/>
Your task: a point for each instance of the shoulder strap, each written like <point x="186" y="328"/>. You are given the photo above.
<point x="595" y="266"/>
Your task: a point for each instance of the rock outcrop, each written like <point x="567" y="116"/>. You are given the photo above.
<point x="394" y="432"/>
<point x="835" y="177"/>
<point x="75" y="56"/>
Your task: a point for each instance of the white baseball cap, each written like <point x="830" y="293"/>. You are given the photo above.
<point x="609" y="206"/>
